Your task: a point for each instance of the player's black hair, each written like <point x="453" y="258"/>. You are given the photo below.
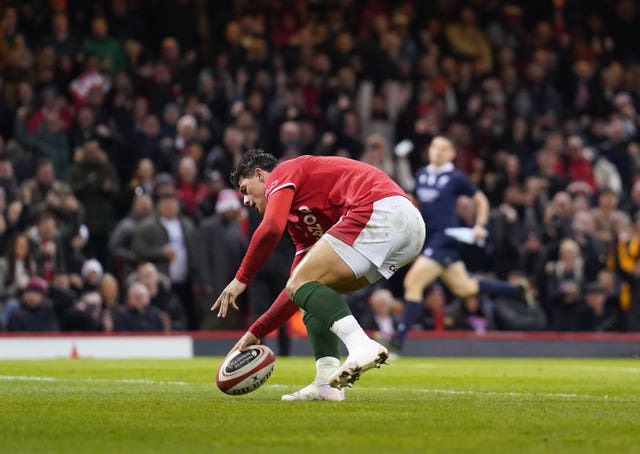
<point x="253" y="159"/>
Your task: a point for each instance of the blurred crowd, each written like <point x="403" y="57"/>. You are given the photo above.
<point x="120" y="122"/>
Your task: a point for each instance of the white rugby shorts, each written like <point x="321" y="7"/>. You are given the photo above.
<point x="393" y="237"/>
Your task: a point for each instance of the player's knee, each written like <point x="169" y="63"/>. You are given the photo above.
<point x="292" y="286"/>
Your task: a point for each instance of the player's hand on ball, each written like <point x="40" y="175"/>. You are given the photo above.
<point x="245" y="341"/>
<point x="228" y="297"/>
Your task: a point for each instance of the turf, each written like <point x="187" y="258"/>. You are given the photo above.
<point x="413" y="405"/>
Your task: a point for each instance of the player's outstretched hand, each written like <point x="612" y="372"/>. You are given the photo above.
<point x="228" y="297"/>
<point x="245" y="341"/>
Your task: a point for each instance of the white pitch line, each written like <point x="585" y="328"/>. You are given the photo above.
<point x="531" y="395"/>
<point x="140" y="381"/>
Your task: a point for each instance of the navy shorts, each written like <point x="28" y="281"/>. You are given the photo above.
<point x="442" y="248"/>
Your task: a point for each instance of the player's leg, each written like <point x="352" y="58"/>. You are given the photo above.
<point x="421" y="274"/>
<point x="457" y="279"/>
<point x="326" y="349"/>
<point x="311" y="286"/>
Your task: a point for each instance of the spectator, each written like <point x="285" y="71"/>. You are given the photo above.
<point x="48" y="245"/>
<point x="189" y="190"/>
<point x="607" y="217"/>
<point x="221" y="247"/>
<point x="62" y="294"/>
<point x="49" y="141"/>
<point x="110" y="292"/>
<point x="61" y="39"/>
<point x="142" y="182"/>
<point x="137" y="314"/>
<point x="468" y="40"/>
<point x="16" y="268"/>
<point x="8" y="180"/>
<point x="35" y="312"/>
<point x="435" y="301"/>
<point x="167" y="241"/>
<point x="564" y="286"/>
<point x="95" y="182"/>
<point x="159" y="287"/>
<point x="121" y="239"/>
<point x="92" y="273"/>
<point x="382" y="314"/>
<point x="85" y="315"/>
<point x="44" y="192"/>
<point x="600" y="315"/>
<point x="104" y="47"/>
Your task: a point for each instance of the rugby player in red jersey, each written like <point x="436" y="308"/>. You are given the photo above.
<point x="351" y="225"/>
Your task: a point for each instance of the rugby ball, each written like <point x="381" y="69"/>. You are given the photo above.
<point x="244" y="371"/>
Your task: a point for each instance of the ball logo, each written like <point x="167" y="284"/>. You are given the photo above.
<point x="242" y="360"/>
<point x="257" y="382"/>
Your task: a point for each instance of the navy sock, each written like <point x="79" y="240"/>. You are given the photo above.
<point x="412" y="310"/>
<point x="497" y="287"/>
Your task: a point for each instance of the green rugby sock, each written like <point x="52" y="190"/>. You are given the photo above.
<point x="323" y="341"/>
<point x="322" y="302"/>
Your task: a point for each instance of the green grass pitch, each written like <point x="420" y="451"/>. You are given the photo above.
<point x="413" y="405"/>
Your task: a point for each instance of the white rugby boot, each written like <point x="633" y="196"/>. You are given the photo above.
<point x="315" y="391"/>
<point x="364" y="357"/>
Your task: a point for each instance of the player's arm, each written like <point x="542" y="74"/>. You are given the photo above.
<point x="278" y="313"/>
<point x="267" y="235"/>
<point x="264" y="241"/>
<point x="481" y="204"/>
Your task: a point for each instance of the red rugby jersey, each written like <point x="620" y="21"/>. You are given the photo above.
<point x="326" y="188"/>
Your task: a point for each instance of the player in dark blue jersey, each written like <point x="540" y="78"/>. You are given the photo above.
<point x="437" y="189"/>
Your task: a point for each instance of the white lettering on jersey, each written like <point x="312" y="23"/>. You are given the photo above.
<point x="427" y="195"/>
<point x="311" y="222"/>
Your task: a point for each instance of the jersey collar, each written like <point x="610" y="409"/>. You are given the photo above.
<point x="448" y="167"/>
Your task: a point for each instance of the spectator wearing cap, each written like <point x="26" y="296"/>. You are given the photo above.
<point x="221" y="247"/>
<point x="35" y="312"/>
<point x="166" y="239"/>
<point x="91" y="273"/>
